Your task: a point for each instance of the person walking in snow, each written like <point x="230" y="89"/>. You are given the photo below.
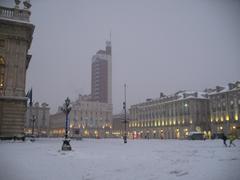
<point x="224" y="138"/>
<point x="232" y="137"/>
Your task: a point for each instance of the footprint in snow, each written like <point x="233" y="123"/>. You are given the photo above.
<point x="178" y="173"/>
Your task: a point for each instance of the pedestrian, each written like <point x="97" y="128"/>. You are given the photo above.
<point x="232" y="137"/>
<point x="224" y="138"/>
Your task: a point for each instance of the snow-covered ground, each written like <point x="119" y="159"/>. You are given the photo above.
<point x="111" y="159"/>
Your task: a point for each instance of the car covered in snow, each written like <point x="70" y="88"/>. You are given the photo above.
<point x="196" y="136"/>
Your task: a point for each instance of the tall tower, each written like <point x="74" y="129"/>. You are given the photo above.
<point x="102" y="75"/>
<point x="15" y="39"/>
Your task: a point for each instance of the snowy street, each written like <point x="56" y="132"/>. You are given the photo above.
<point x="111" y="159"/>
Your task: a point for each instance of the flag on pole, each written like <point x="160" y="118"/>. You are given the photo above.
<point x="29" y="95"/>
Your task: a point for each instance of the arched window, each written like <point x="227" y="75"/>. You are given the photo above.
<point x="2" y="72"/>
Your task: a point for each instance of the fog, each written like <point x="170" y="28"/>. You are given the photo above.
<point x="157" y="46"/>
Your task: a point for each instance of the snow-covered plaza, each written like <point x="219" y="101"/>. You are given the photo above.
<point x="111" y="159"/>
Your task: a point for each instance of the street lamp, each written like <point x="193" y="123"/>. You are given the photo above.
<point x="33" y="124"/>
<point x="66" y="109"/>
<point x="125" y="116"/>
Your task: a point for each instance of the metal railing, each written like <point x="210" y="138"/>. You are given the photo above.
<point x="15" y="14"/>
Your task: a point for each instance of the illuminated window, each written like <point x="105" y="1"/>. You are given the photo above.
<point x="2" y="72"/>
<point x="236" y="117"/>
<point x="227" y="117"/>
<point x="221" y="118"/>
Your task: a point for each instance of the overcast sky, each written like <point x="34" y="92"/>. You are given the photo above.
<point x="157" y="46"/>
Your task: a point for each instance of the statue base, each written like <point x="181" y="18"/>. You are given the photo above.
<point x="66" y="145"/>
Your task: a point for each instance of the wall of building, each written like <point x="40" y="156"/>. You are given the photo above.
<point x="225" y="109"/>
<point x="57" y="124"/>
<point x="15" y="40"/>
<point x="40" y="115"/>
<point x="170" y="116"/>
<point x="91" y="117"/>
<point x="101" y="89"/>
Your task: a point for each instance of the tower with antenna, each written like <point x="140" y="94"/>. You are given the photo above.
<point x="102" y="75"/>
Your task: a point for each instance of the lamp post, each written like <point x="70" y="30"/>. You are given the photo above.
<point x="66" y="142"/>
<point x="33" y="125"/>
<point x="125" y="116"/>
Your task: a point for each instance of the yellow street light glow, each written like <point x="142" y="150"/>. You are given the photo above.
<point x="236" y="117"/>
<point x="234" y="127"/>
<point x="227" y="117"/>
<point x="221" y="118"/>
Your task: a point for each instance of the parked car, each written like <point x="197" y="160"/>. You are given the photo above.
<point x="196" y="136"/>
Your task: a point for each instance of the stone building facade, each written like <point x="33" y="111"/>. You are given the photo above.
<point x="87" y="118"/>
<point x="92" y="117"/>
<point x="225" y="109"/>
<point x="118" y="124"/>
<point x="38" y="117"/>
<point x="102" y="75"/>
<point x="57" y="124"/>
<point x="15" y="40"/>
<point x="170" y="117"/>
